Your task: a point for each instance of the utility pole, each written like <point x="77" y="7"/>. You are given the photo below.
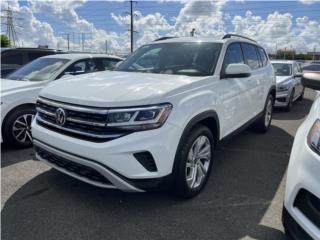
<point x="82" y="40"/>
<point x="131" y="26"/>
<point x="68" y="39"/>
<point x="314" y="53"/>
<point x="11" y="31"/>
<point x="106" y="46"/>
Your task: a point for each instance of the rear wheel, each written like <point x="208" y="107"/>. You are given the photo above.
<point x="17" y="127"/>
<point x="194" y="161"/>
<point x="263" y="123"/>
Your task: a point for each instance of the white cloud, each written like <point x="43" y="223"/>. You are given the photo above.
<point x="309" y="2"/>
<point x="31" y="31"/>
<point x="278" y="30"/>
<point x="207" y="17"/>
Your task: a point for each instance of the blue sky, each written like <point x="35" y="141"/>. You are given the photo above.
<point x="297" y="21"/>
<point x="99" y="12"/>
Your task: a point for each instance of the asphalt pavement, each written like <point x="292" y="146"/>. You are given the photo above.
<point x="242" y="200"/>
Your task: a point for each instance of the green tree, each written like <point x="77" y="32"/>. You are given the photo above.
<point x="5" y="42"/>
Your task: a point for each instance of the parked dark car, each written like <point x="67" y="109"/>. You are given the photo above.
<point x="14" y="58"/>
<point x="313" y="67"/>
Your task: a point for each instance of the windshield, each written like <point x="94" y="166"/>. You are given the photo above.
<point x="282" y="69"/>
<point x="192" y="59"/>
<point x="40" y="69"/>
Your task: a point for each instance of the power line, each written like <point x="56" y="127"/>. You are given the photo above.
<point x="10" y="25"/>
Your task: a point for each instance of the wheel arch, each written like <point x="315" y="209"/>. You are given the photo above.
<point x="272" y="91"/>
<point x="21" y="106"/>
<point x="209" y="119"/>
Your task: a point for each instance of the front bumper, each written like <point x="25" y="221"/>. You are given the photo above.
<point x="303" y="175"/>
<point x="114" y="160"/>
<point x="282" y="99"/>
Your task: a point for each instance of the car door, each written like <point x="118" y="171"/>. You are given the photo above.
<point x="255" y="83"/>
<point x="233" y="92"/>
<point x="297" y="80"/>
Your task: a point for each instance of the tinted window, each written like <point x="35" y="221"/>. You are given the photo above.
<point x="12" y="58"/>
<point x="108" y="64"/>
<point x="263" y="57"/>
<point x="190" y="58"/>
<point x="233" y="55"/>
<point x="250" y="55"/>
<point x="40" y="69"/>
<point x="313" y="67"/>
<point x="35" y="55"/>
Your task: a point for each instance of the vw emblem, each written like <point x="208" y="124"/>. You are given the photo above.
<point x="60" y="116"/>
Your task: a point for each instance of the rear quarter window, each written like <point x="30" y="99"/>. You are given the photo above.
<point x="263" y="56"/>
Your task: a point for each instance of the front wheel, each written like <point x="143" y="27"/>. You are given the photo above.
<point x="17" y="128"/>
<point x="262" y="124"/>
<point x="194" y="160"/>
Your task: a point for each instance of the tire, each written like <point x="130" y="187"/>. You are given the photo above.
<point x="17" y="127"/>
<point x="300" y="98"/>
<point x="190" y="166"/>
<point x="262" y="124"/>
<point x="290" y="103"/>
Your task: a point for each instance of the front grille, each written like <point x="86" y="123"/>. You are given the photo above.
<point x="309" y="205"/>
<point x="81" y="122"/>
<point x="73" y="167"/>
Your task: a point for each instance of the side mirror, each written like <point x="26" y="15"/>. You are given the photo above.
<point x="299" y="74"/>
<point x="237" y="70"/>
<point x="311" y="80"/>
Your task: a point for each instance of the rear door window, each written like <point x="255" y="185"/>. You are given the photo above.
<point x="250" y="56"/>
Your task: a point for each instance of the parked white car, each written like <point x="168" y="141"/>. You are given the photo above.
<point x="289" y="87"/>
<point x="156" y="119"/>
<point x="301" y="212"/>
<point x="20" y="89"/>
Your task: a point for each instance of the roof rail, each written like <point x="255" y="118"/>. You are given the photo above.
<point x="163" y="38"/>
<point x="229" y="35"/>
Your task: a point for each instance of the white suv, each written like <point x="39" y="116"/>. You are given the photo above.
<point x="155" y="121"/>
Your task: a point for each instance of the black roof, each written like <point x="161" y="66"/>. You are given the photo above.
<point x="33" y="49"/>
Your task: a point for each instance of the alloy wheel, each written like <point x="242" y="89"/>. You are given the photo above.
<point x="21" y="128"/>
<point x="198" y="162"/>
<point x="268" y="114"/>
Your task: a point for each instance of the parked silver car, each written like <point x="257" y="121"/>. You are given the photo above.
<point x="289" y="87"/>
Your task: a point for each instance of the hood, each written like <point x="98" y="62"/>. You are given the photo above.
<point x="114" y="89"/>
<point x="13" y="85"/>
<point x="281" y="79"/>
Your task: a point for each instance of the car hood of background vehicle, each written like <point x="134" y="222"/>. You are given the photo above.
<point x="13" y="85"/>
<point x="281" y="79"/>
<point x="114" y="89"/>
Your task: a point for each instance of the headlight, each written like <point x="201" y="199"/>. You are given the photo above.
<point x="142" y="118"/>
<point x="284" y="86"/>
<point x="314" y="137"/>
